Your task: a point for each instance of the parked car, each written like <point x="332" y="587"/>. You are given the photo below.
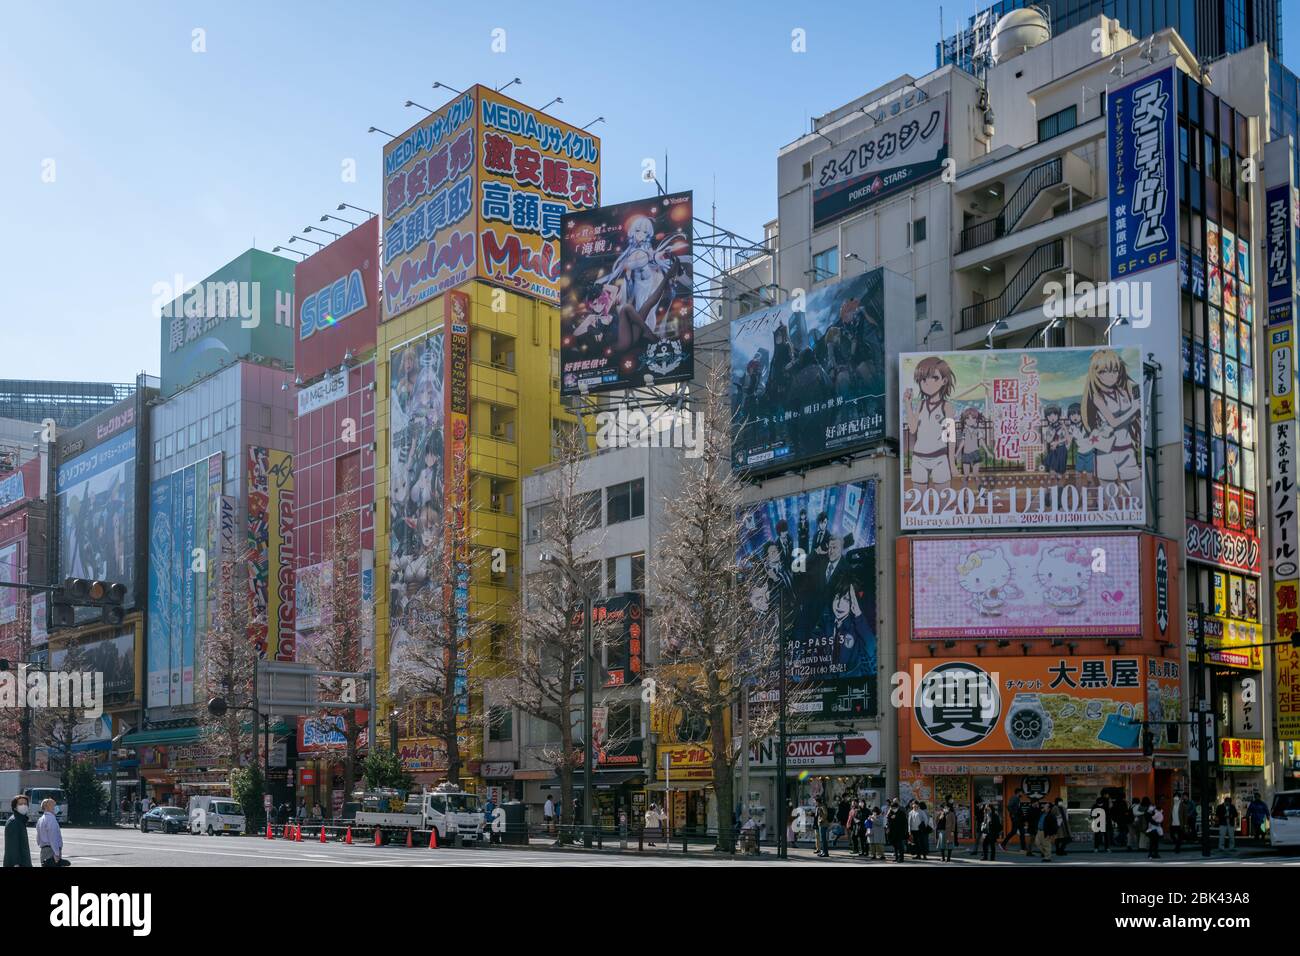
<point x="1284" y="820"/>
<point x="166" y="819"/>
<point x="215" y="815"/>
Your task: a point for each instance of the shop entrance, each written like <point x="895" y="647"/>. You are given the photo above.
<point x="986" y="790"/>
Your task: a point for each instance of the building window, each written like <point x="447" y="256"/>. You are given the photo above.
<point x="826" y="264"/>
<point x="918" y="230"/>
<point x="205" y="433"/>
<point x="1060" y="122"/>
<point x="216" y="423"/>
<point x="169" y="446"/>
<point x="625" y="501"/>
<point x="180" y="440"/>
<point x="633" y="563"/>
<point x="922" y="308"/>
<point x="537" y="521"/>
<point x="231" y="464"/>
<point x="157" y="450"/>
<point x="624" y="722"/>
<point x="501" y="728"/>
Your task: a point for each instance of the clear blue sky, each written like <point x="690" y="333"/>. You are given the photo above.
<point x="169" y="161"/>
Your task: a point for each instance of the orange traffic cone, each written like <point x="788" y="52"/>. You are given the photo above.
<point x="409" y="844"/>
<point x="322" y="834"/>
<point x="379" y="837"/>
<point x="433" y="839"/>
<point x="297" y="833"/>
<point x="269" y="834"/>
<point x="348" y="837"/>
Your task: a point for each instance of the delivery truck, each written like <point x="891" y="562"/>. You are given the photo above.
<point x="36" y="785"/>
<point x="446" y="808"/>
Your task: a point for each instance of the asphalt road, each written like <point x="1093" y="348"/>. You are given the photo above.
<point x="131" y="848"/>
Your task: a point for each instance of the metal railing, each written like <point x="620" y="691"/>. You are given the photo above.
<point x="1042" y="176"/>
<point x="1048" y="256"/>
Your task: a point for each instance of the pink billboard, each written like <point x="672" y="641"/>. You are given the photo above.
<point x="1025" y="586"/>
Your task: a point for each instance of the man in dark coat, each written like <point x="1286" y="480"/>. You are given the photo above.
<point x="17" y="850"/>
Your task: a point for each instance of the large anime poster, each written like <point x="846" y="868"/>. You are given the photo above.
<point x="625" y="295"/>
<point x="1037" y="437"/>
<point x="809" y="383"/>
<point x="828" y="597"/>
<point x="415" y="494"/>
<point x="96" y="492"/>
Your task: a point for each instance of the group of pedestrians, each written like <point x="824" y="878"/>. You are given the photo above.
<point x="49" y="835"/>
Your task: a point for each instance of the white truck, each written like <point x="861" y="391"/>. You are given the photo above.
<point x="36" y="785"/>
<point x="446" y="808"/>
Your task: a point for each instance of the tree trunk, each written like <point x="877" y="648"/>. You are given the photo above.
<point x="723" y="781"/>
<point x="566" y="781"/>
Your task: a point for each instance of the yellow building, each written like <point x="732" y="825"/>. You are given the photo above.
<point x="513" y="390"/>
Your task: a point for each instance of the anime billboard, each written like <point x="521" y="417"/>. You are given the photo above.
<point x="1016" y="439"/>
<point x="828" y="597"/>
<point x="625" y="295"/>
<point x="811" y="383"/>
<point x="417" y="478"/>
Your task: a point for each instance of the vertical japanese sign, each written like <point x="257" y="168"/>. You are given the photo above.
<point x="456" y="316"/>
<point x="534" y="168"/>
<point x="429" y="221"/>
<point x="1279" y="265"/>
<point x="1140" y="159"/>
<point x="271" y="553"/>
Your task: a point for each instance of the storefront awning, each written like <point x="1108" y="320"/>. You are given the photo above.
<point x="151" y="738"/>
<point x="1039" y="766"/>
<point x="604" y="779"/>
<point x="680" y="785"/>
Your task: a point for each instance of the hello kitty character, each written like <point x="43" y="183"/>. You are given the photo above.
<point x="986" y="574"/>
<point x="1064" y="574"/>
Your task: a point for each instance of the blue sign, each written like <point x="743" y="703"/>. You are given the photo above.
<point x="1278" y="266"/>
<point x="344" y="296"/>
<point x="1143" y="177"/>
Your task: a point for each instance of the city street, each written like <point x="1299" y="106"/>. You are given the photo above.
<point x="131" y="848"/>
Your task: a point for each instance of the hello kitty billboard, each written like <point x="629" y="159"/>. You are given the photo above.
<point x="1026" y="586"/>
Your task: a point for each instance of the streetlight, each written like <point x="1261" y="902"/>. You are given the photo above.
<point x="319" y="229"/>
<point x="376" y="129"/>
<point x="999" y="326"/>
<point x="287" y="249"/>
<point x="598" y="119"/>
<point x="588" y="789"/>
<point x="558" y="99"/>
<point x="510" y="84"/>
<point x="444" y="86"/>
<point x="346" y="222"/>
<point x="348" y="205"/>
<point x="413" y="103"/>
<point x="318" y="245"/>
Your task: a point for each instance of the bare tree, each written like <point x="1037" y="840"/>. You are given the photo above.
<point x="226" y="668"/>
<point x="59" y="726"/>
<point x="15" y="723"/>
<point x="541" y="672"/>
<point x="337" y="643"/>
<point x="716" y="641"/>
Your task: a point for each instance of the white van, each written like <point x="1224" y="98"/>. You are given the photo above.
<point x="215" y="815"/>
<point x="1284" y="820"/>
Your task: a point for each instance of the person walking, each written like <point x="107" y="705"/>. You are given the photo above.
<point x="652" y="823"/>
<point x="1257" y="815"/>
<point x="1138" y="823"/>
<point x="822" y="820"/>
<point x="49" y="837"/>
<point x="1063" y="826"/>
<point x="1155" y="830"/>
<point x="17" y="852"/>
<point x="947" y="829"/>
<point x="1176" y="822"/>
<point x="990" y="830"/>
<point x="1225" y="815"/>
<point x="1032" y="813"/>
<point x="1047" y="831"/>
<point x="1118" y="822"/>
<point x="920" y="826"/>
<point x="1016" y="819"/>
<point x="1190" y="816"/>
<point x="896" y="829"/>
<point x="1100" y="825"/>
<point x="853" y="825"/>
<point x="877" y="835"/>
<point x="548" y="815"/>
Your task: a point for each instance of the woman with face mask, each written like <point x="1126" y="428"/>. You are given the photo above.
<point x="17" y="852"/>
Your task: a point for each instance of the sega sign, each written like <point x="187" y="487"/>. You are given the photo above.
<point x="338" y="283"/>
<point x="344" y="297"/>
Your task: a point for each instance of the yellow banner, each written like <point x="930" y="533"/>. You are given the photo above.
<point x="1281" y="363"/>
<point x="1241" y="753"/>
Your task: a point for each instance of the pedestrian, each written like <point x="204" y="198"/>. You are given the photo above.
<point x="548" y="815"/>
<point x="1033" y="813"/>
<point x="1190" y="815"/>
<point x="823" y="823"/>
<point x="652" y="823"/>
<point x="316" y="813"/>
<point x="144" y="805"/>
<point x="878" y="833"/>
<point x="1016" y="819"/>
<point x="854" y="826"/>
<point x="1138" y="823"/>
<point x="921" y="826"/>
<point x="1119" y="821"/>
<point x="1257" y="815"/>
<point x="1225" y="815"/>
<point x="1155" y="829"/>
<point x="991" y="829"/>
<point x="1063" y="824"/>
<point x="302" y="811"/>
<point x="17" y="852"/>
<point x="49" y="837"/>
<point x="947" y="829"/>
<point x="794" y="825"/>
<point x="896" y="829"/>
<point x="1047" y="831"/>
<point x="1176" y="822"/>
<point x="1100" y="826"/>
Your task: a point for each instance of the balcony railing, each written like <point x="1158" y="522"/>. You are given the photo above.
<point x="1047" y="257"/>
<point x="1042" y="176"/>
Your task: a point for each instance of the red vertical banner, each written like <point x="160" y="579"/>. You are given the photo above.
<point x="456" y="394"/>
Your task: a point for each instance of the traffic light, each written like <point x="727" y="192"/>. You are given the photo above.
<point x="1148" y="743"/>
<point x="80" y="592"/>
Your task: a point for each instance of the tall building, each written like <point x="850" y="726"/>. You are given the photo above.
<point x="67" y="403"/>
<point x="1210" y="28"/>
<point x="467" y="377"/>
